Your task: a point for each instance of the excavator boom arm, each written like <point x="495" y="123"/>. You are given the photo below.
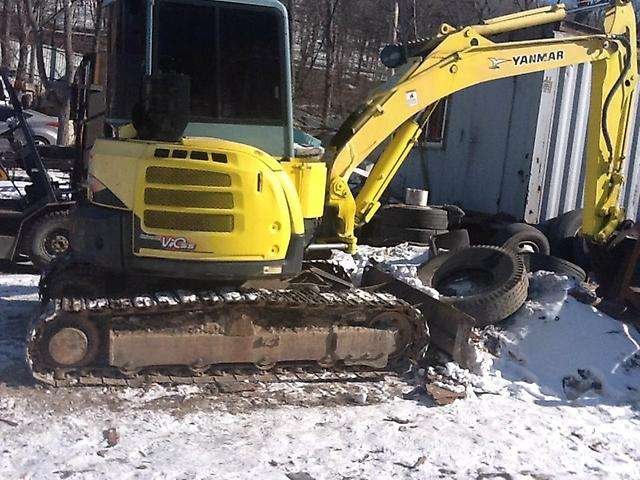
<point x="463" y="58"/>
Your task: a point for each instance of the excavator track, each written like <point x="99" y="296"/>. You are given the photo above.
<point x="221" y="337"/>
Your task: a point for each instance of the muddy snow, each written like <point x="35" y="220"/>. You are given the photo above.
<point x="555" y="394"/>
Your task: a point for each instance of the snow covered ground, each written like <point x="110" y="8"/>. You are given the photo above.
<point x="560" y="398"/>
<point x="9" y="190"/>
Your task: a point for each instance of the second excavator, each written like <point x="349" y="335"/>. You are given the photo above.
<point x="199" y="188"/>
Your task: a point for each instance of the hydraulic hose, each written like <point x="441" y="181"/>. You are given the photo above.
<point x="589" y="8"/>
<point x="607" y="103"/>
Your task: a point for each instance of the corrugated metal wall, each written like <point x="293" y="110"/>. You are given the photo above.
<point x="484" y="161"/>
<point x="565" y="159"/>
<point x="517" y="146"/>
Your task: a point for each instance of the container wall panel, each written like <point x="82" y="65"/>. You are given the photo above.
<point x="517" y="147"/>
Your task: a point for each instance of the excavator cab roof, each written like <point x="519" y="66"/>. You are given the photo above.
<point x="236" y="54"/>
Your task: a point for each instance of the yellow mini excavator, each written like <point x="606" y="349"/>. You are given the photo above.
<point x="199" y="187"/>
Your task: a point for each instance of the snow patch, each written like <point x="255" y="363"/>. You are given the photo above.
<point x="16" y="190"/>
<point x="554" y="394"/>
<point x="156" y="392"/>
<point x="401" y="261"/>
<point x="558" y="348"/>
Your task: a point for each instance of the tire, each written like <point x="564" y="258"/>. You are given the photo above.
<point x="520" y="237"/>
<point x="49" y="238"/>
<point x="41" y="141"/>
<point x="580" y="253"/>
<point x="410" y="216"/>
<point x="562" y="232"/>
<point x="384" y="235"/>
<point x="421" y="235"/>
<point x="535" y="262"/>
<point x="455" y="215"/>
<point x="502" y="273"/>
<point x="454" y="240"/>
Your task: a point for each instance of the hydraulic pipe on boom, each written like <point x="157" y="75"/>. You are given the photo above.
<point x="518" y="21"/>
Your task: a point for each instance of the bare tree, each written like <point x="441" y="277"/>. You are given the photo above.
<point x="408" y="23"/>
<point x="24" y="31"/>
<point x="5" y="32"/>
<point x="525" y="4"/>
<point x="37" y="41"/>
<point x="310" y="23"/>
<point x="331" y="7"/>
<point x="395" y="23"/>
<point x="64" y="90"/>
<point x="97" y="25"/>
<point x="58" y="90"/>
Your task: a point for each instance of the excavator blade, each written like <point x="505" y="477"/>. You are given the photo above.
<point x="449" y="328"/>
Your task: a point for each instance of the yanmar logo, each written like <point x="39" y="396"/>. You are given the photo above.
<point x="520" y="60"/>
<point x="496" y="62"/>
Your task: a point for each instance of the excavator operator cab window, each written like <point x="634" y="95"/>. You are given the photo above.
<point x="232" y="57"/>
<point x="236" y="55"/>
<point x="125" y="61"/>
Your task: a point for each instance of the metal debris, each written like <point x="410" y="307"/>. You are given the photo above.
<point x="443" y="396"/>
<point x="11" y="423"/>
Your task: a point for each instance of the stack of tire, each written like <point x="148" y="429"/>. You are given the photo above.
<point x="564" y="237"/>
<point x="490" y="283"/>
<point x="535" y="247"/>
<point x="395" y="224"/>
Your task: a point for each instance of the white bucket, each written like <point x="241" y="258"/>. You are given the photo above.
<point x="413" y="196"/>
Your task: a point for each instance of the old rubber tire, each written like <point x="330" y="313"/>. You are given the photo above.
<point x="455" y="215"/>
<point x="385" y="235"/>
<point x="421" y="235"/>
<point x="49" y="238"/>
<point x="500" y="287"/>
<point x="535" y="262"/>
<point x="562" y="232"/>
<point x="520" y="237"/>
<point x="454" y="240"/>
<point x="411" y="216"/>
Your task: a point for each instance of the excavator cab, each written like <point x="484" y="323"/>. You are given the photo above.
<point x="196" y="178"/>
<point x="234" y="55"/>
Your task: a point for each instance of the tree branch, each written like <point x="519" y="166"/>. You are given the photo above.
<point x="38" y="43"/>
